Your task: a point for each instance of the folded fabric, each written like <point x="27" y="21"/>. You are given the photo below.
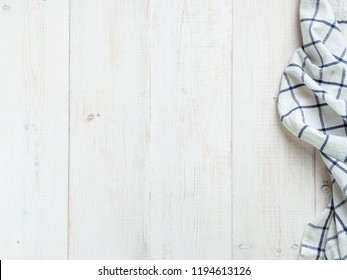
<point x="312" y="104"/>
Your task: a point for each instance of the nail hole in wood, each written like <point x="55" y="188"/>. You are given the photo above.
<point x="325" y="189"/>
<point x="245" y="246"/>
<point x="90" y="117"/>
<point x="295" y="246"/>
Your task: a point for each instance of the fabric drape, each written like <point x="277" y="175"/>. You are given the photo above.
<point x="312" y="104"/>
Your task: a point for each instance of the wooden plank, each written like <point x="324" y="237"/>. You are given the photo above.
<point x="190" y="206"/>
<point x="273" y="172"/>
<point x="109" y="129"/>
<point x="33" y="129"/>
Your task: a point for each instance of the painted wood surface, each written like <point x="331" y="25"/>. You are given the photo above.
<point x="271" y="168"/>
<point x="109" y="129"/>
<point x="148" y="129"/>
<point x="34" y="53"/>
<point x="190" y="206"/>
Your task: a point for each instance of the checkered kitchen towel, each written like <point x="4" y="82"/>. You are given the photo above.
<point x="312" y="103"/>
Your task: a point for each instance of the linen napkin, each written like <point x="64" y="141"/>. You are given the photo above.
<point x="312" y="104"/>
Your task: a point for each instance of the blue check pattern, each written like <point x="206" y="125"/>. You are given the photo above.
<point x="312" y="104"/>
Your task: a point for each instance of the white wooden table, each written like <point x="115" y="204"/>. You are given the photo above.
<point x="124" y="131"/>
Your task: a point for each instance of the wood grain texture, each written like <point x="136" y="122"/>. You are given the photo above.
<point x="190" y="206"/>
<point x="109" y="111"/>
<point x="33" y="129"/>
<point x="148" y="129"/>
<point x="273" y="172"/>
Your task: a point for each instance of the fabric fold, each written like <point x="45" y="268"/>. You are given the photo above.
<point x="312" y="104"/>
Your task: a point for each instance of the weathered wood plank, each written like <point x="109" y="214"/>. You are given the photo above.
<point x="34" y="56"/>
<point x="273" y="172"/>
<point x="190" y="206"/>
<point x="109" y="129"/>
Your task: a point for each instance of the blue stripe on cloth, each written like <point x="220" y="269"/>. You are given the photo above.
<point x="320" y="77"/>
